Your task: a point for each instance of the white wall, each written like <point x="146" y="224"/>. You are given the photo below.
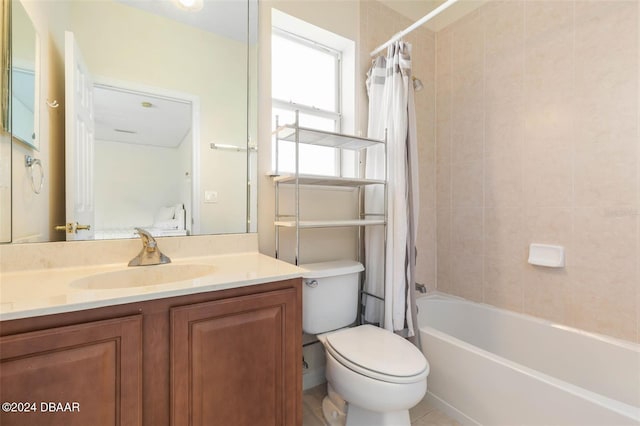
<point x="130" y="189"/>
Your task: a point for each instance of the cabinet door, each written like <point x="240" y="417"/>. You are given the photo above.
<point x="236" y="361"/>
<point x="86" y="374"/>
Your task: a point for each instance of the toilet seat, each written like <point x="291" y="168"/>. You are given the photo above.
<point x="378" y="354"/>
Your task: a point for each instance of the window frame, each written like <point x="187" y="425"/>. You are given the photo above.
<point x="289" y="105"/>
<point x="336" y="115"/>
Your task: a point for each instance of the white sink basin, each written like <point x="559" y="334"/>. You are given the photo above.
<point x="141" y="276"/>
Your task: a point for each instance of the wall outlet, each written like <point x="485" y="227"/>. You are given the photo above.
<point x="210" y="196"/>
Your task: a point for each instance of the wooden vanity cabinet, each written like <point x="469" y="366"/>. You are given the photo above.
<point x="229" y="358"/>
<point x="229" y="361"/>
<point x="84" y="374"/>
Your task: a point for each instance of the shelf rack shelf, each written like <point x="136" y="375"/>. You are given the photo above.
<point x="306" y="224"/>
<point x="290" y="179"/>
<point x="302" y="135"/>
<point x="294" y="133"/>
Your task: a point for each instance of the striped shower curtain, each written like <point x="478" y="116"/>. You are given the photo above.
<point x="391" y="108"/>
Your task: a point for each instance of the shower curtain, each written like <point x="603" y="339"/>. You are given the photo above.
<point x="391" y="108"/>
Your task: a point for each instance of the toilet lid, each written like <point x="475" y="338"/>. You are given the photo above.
<point x="378" y="353"/>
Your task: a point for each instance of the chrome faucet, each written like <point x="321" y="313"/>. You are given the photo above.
<point x="150" y="253"/>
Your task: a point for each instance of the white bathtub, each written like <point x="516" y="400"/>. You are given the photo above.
<point x="494" y="367"/>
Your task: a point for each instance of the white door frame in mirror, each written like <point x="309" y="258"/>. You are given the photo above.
<point x="194" y="100"/>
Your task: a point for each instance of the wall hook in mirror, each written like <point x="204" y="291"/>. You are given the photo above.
<point x="53" y="104"/>
<point x="30" y="163"/>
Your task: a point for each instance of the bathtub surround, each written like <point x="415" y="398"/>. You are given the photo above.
<point x="496" y="358"/>
<point x="537" y="141"/>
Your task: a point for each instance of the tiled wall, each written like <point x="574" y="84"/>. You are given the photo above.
<point x="377" y="24"/>
<point x="538" y="140"/>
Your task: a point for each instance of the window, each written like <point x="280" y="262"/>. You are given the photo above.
<point x="305" y="78"/>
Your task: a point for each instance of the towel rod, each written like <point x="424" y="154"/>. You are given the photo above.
<point x="230" y="147"/>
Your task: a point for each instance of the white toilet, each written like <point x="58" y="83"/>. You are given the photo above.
<point x="374" y="376"/>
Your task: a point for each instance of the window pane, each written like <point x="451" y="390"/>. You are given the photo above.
<point x="306" y="120"/>
<point x="315" y="160"/>
<point x="302" y="74"/>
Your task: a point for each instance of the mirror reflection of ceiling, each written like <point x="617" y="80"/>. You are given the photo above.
<point x="216" y="16"/>
<point x="141" y="119"/>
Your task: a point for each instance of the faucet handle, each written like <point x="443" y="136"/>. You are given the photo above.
<point x="147" y="238"/>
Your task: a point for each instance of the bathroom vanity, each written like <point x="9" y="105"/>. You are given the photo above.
<point x="221" y="349"/>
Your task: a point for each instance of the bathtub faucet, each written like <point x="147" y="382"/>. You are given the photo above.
<point x="421" y="288"/>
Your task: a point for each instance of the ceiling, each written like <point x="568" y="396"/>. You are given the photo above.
<point x="221" y="17"/>
<point x="121" y="117"/>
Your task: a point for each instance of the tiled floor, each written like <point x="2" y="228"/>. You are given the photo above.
<point x="422" y="414"/>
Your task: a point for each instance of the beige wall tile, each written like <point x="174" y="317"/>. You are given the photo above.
<point x="606" y="72"/>
<point x="548" y="177"/>
<point x="504" y="235"/>
<point x="547" y="293"/>
<point x="504" y="78"/>
<point x="549" y="225"/>
<point x="443" y="185"/>
<point x="546" y="19"/>
<point x="466" y="184"/>
<point x="467" y="41"/>
<point x="444" y="98"/>
<point x="503" y="180"/>
<point x="606" y="177"/>
<point x="467" y="116"/>
<point x="444" y="218"/>
<point x="466" y="273"/>
<point x="444" y="273"/>
<point x="443" y="55"/>
<point x="467" y="229"/>
<point x="503" y="282"/>
<point x="603" y="301"/>
<point x="443" y="141"/>
<point x="605" y="240"/>
<point x="504" y="28"/>
<point x="504" y="127"/>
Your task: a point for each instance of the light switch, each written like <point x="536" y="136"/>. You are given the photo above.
<point x="210" y="196"/>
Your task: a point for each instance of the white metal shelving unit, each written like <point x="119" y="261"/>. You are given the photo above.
<point x="301" y="135"/>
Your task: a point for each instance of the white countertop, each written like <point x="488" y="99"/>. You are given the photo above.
<point x="51" y="291"/>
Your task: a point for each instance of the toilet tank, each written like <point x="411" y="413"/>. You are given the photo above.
<point x="330" y="295"/>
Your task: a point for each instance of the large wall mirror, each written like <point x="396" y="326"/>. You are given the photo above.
<point x="24" y="85"/>
<point x="159" y="116"/>
<point x="5" y="136"/>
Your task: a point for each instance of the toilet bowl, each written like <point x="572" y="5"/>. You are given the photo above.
<point x="374" y="376"/>
<point x="379" y="374"/>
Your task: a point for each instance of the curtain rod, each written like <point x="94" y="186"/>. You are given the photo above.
<point x="435" y="12"/>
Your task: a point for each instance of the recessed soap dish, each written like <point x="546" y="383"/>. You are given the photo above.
<point x="546" y="255"/>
